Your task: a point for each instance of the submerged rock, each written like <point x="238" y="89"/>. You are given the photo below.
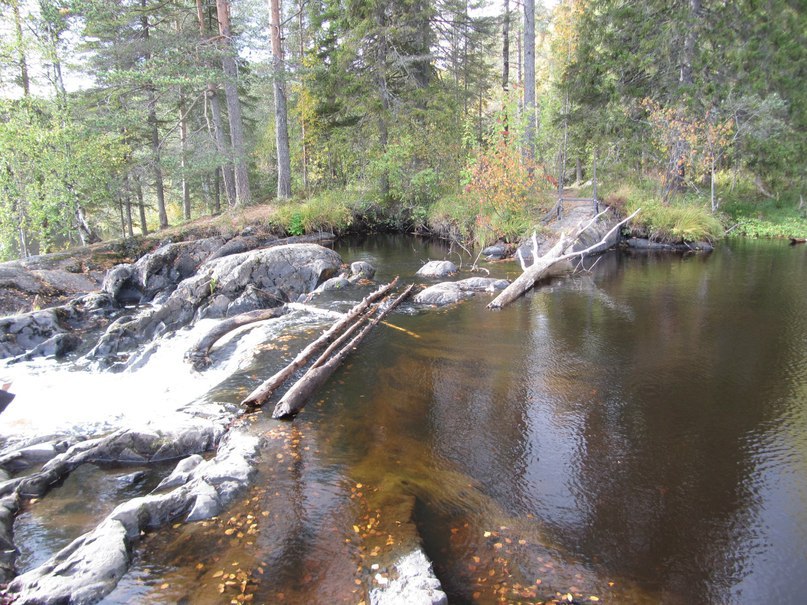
<point x="415" y="584"/>
<point x="8" y="552"/>
<point x="90" y="567"/>
<point x="495" y="252"/>
<point x="83" y="572"/>
<point x="362" y="270"/>
<point x="335" y="283"/>
<point x="446" y="293"/>
<point x="437" y="268"/>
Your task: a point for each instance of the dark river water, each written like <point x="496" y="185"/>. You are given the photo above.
<point x="637" y="434"/>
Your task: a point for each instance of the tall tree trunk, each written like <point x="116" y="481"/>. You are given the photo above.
<point x="690" y="42"/>
<point x="217" y="178"/>
<point x="85" y="232"/>
<point x="242" y="189"/>
<point x="156" y="158"/>
<point x="303" y="141"/>
<point x="383" y="91"/>
<point x="529" y="77"/>
<point x="506" y="46"/>
<point x="141" y="207"/>
<point x="422" y="68"/>
<point x="127" y="206"/>
<point x="183" y="157"/>
<point x="227" y="169"/>
<point x="465" y="65"/>
<point x="56" y="65"/>
<point x="281" y="115"/>
<point x="183" y="146"/>
<point x="154" y="128"/>
<point x="219" y="136"/>
<point x="18" y="209"/>
<point x="122" y="216"/>
<point x="519" y="59"/>
<point x="25" y="81"/>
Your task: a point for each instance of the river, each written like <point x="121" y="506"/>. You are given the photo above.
<point x="634" y="434"/>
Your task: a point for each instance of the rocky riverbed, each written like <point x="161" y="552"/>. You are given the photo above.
<point x="110" y="343"/>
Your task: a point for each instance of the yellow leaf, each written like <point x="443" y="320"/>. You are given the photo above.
<point x="356" y="528"/>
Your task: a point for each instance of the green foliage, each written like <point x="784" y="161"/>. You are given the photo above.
<point x="751" y="213"/>
<point x="326" y="211"/>
<point x="760" y="228"/>
<point x="50" y="167"/>
<point x="508" y="187"/>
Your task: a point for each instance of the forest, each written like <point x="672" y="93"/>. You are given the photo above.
<point x="459" y="118"/>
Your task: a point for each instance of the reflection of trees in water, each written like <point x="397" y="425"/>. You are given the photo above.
<point x="664" y="476"/>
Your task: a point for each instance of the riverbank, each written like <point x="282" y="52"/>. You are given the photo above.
<point x="47" y="280"/>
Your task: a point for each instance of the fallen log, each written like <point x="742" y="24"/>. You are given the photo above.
<point x="798" y="240"/>
<point x="553" y="261"/>
<point x="269" y="386"/>
<point x="198" y="354"/>
<point x="296" y="397"/>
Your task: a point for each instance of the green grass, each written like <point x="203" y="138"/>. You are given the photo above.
<point x="676" y="223"/>
<point x="454" y="216"/>
<point x="326" y="211"/>
<point x="743" y="211"/>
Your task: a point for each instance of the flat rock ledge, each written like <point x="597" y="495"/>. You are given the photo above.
<point x="414" y="584"/>
<point x="447" y="293"/>
<point x="90" y="567"/>
<point x="639" y="243"/>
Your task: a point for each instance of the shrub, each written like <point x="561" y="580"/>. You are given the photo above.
<point x="454" y="216"/>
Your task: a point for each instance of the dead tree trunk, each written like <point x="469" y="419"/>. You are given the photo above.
<point x="198" y="354"/>
<point x="265" y="390"/>
<point x="555" y="260"/>
<point x="296" y="397"/>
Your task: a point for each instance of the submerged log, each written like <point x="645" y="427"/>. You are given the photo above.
<point x="295" y="398"/>
<point x="553" y="261"/>
<point x="198" y="354"/>
<point x="269" y="386"/>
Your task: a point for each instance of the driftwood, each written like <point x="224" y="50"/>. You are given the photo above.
<point x="198" y="354"/>
<point x="269" y="386"/>
<point x="798" y="240"/>
<point x="296" y="397"/>
<point x="550" y="263"/>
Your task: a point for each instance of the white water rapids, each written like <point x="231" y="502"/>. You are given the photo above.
<point x="58" y="399"/>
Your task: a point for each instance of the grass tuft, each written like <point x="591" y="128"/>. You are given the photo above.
<point x="326" y="211"/>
